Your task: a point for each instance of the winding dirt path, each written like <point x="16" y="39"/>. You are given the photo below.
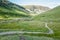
<point x="22" y="32"/>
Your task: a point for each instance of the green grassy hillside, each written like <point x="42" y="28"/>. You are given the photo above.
<point x="53" y="19"/>
<point x="53" y="15"/>
<point x="9" y="10"/>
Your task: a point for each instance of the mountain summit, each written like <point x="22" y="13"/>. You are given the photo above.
<point x="36" y="9"/>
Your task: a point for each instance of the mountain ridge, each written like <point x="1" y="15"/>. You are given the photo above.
<point x="8" y="9"/>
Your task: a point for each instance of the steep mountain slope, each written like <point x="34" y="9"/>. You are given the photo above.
<point x="53" y="14"/>
<point x="36" y="9"/>
<point x="9" y="9"/>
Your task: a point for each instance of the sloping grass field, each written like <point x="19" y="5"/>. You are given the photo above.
<point x="50" y="15"/>
<point x="32" y="26"/>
